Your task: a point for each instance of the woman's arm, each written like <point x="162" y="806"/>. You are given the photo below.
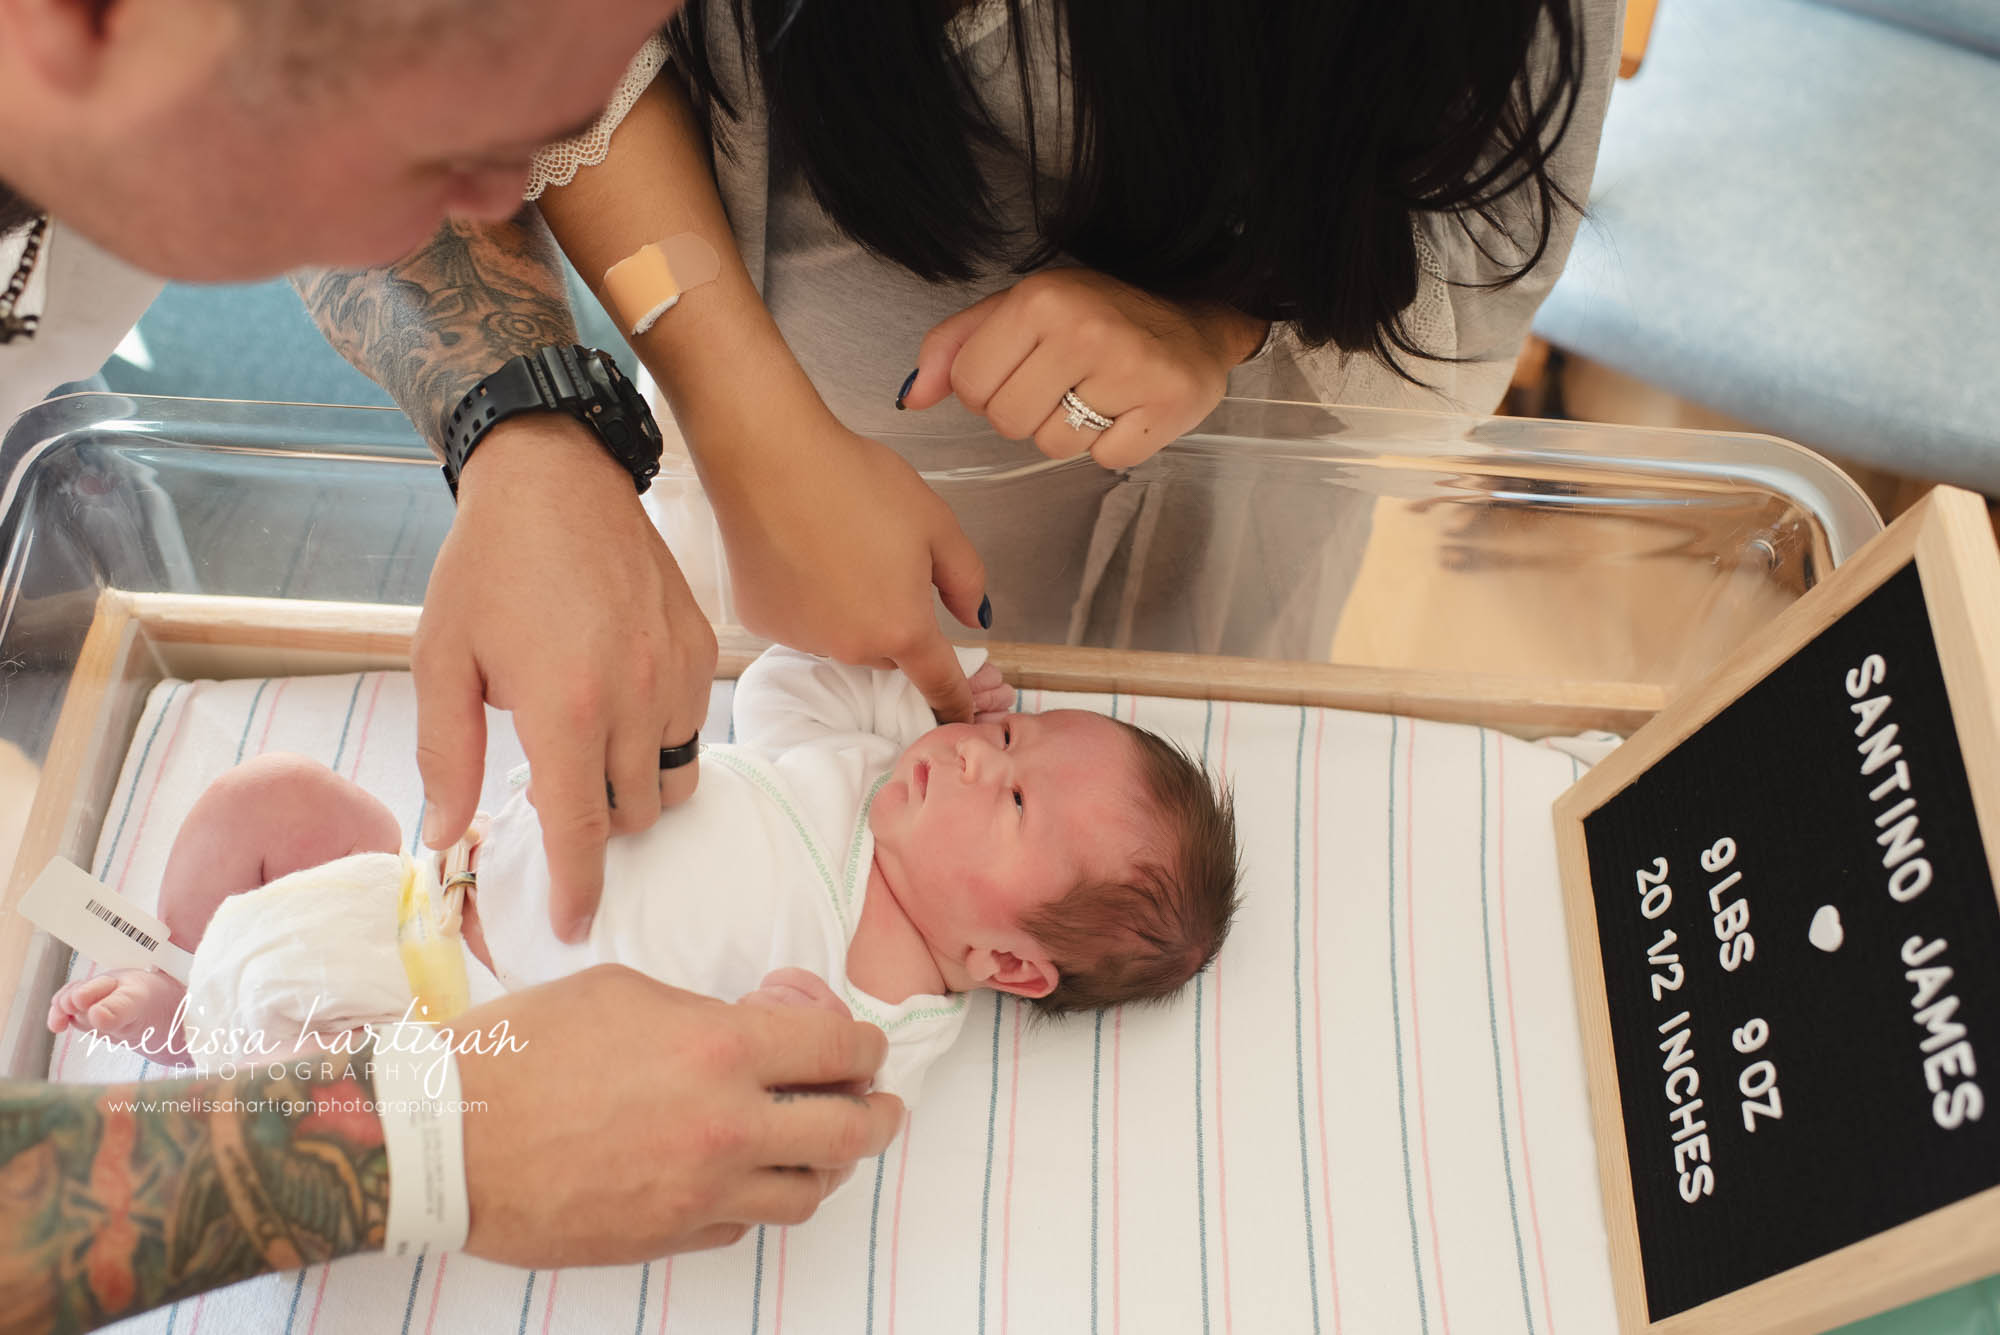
<point x="834" y="543"/>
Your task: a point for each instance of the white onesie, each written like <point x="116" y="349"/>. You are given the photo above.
<point x="765" y="867"/>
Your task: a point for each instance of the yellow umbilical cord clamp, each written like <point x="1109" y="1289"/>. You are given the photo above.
<point x="428" y="918"/>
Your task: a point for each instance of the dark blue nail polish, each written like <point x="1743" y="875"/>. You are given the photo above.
<point x="908" y="380"/>
<point x="986" y="614"/>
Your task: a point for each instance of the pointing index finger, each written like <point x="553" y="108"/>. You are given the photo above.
<point x="935" y="670"/>
<point x="570" y="801"/>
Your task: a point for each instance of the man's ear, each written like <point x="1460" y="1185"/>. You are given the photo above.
<point x="1023" y="975"/>
<point x="62" y="41"/>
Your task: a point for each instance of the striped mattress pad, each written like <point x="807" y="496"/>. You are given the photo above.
<point x="1368" y="1116"/>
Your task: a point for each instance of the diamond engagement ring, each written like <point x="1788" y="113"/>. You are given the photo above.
<point x="1080" y="414"/>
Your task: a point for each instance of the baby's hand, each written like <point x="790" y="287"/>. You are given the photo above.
<point x="796" y="987"/>
<point x="991" y="696"/>
<point x="802" y="987"/>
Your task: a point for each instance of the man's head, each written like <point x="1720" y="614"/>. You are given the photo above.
<point x="217" y="139"/>
<point x="1063" y="857"/>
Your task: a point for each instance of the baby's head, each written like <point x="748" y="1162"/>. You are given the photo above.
<point x="1065" y="857"/>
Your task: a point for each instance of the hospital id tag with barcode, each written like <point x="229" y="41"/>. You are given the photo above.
<point x="81" y="911"/>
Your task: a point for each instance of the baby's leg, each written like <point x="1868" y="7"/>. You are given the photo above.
<point x="264" y="819"/>
<point x="267" y="818"/>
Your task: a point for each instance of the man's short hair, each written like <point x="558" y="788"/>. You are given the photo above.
<point x="1142" y="939"/>
<point x="308" y="46"/>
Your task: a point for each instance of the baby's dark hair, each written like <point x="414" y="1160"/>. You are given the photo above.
<point x="1144" y="938"/>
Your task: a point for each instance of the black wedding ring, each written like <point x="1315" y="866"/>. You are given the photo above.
<point x="673" y="757"/>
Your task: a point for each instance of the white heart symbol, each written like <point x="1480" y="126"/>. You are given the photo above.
<point x="1826" y="932"/>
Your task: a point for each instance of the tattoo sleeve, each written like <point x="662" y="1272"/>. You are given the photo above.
<point x="115" y="1199"/>
<point x="433" y="324"/>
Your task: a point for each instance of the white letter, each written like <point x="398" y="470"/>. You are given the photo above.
<point x="1941" y="1064"/>
<point x="1929" y="983"/>
<point x="1877" y="748"/>
<point x="1917" y="870"/>
<point x="1943" y="1029"/>
<point x="1872" y="671"/>
<point x="1900" y="779"/>
<point x="1899" y="843"/>
<point x="1685" y="1115"/>
<point x="1915" y="952"/>
<point x="1679" y="1049"/>
<point x="1962" y="1105"/>
<point x="1734" y="917"/>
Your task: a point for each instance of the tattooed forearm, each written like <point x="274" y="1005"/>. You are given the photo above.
<point x="116" y="1199"/>
<point x="433" y="324"/>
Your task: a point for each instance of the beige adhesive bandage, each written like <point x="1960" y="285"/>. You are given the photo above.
<point x="643" y="286"/>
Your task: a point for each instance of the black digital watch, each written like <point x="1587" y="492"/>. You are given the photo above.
<point x="583" y="382"/>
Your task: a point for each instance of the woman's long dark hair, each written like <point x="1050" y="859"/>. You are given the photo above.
<point x="1269" y="155"/>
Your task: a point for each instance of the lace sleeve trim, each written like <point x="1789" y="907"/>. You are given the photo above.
<point x="559" y="162"/>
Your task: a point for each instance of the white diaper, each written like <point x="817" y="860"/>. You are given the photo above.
<point x="318" y="949"/>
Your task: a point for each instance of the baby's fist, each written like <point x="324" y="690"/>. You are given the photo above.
<point x="991" y="696"/>
<point x="796" y="987"/>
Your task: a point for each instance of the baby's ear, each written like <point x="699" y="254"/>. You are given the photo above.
<point x="1023" y="976"/>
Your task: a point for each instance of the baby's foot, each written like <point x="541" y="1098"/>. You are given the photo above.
<point x="122" y="1005"/>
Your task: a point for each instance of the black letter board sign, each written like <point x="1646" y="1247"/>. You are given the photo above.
<point x="1786" y="940"/>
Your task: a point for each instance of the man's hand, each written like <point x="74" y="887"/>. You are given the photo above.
<point x="638" y="1119"/>
<point x="555" y="598"/>
<point x="1155" y="366"/>
<point x="837" y="554"/>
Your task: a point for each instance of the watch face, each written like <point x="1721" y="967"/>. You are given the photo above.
<point x="627" y="426"/>
<point x="634" y="406"/>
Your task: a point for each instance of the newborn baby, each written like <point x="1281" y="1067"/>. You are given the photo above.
<point x="1067" y="858"/>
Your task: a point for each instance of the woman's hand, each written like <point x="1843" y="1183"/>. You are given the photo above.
<point x="836" y="554"/>
<point x="1155" y="367"/>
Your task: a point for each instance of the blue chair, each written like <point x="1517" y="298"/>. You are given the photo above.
<point x="1794" y="223"/>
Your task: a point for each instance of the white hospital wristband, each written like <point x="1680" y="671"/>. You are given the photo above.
<point x="423" y="1132"/>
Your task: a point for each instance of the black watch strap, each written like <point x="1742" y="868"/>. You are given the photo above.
<point x="582" y="382"/>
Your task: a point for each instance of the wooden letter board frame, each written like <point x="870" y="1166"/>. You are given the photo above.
<point x="1951" y="539"/>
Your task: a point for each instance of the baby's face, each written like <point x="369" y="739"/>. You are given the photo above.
<point x="981" y="823"/>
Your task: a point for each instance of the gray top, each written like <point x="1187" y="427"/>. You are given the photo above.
<point x="855" y="320"/>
